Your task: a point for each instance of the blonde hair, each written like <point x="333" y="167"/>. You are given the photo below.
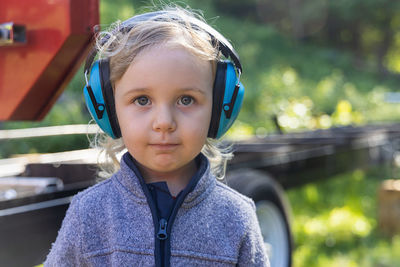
<point x="122" y="47"/>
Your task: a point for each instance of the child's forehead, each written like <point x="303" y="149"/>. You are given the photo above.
<point x="172" y="48"/>
<point x="166" y="66"/>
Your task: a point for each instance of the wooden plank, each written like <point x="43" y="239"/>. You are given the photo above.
<point x="389" y="207"/>
<point x="15" y="166"/>
<point x="49" y="131"/>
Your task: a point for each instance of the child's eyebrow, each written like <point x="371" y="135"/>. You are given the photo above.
<point x="135" y="91"/>
<point x="195" y="90"/>
<point x="147" y="90"/>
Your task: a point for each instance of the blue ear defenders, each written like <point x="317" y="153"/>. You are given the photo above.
<point x="228" y="92"/>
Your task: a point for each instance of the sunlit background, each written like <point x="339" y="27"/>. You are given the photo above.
<point x="308" y="64"/>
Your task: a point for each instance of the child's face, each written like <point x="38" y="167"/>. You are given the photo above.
<point x="163" y="103"/>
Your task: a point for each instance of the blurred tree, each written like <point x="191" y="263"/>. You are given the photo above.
<point x="367" y="28"/>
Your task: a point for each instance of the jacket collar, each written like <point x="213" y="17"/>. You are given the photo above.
<point x="200" y="185"/>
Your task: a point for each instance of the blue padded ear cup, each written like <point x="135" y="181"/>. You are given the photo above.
<point x="95" y="101"/>
<point x="224" y="110"/>
<point x="231" y="80"/>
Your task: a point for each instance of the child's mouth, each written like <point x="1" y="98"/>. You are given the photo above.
<point x="164" y="146"/>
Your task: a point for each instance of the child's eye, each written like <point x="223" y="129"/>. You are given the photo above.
<point x="185" y="100"/>
<point x="142" y="101"/>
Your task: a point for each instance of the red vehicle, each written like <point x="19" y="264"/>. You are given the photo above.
<point x="42" y="43"/>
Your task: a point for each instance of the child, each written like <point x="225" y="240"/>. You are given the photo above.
<point x="161" y="86"/>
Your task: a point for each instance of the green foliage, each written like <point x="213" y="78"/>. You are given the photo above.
<point x="365" y="27"/>
<point x="335" y="223"/>
<point x="280" y="74"/>
<point x="111" y="11"/>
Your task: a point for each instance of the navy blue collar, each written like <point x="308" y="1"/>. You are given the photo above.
<point x="198" y="188"/>
<point x="201" y="162"/>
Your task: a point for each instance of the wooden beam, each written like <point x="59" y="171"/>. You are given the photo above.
<point x="49" y="131"/>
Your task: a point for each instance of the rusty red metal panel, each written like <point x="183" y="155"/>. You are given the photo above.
<point x="58" y="36"/>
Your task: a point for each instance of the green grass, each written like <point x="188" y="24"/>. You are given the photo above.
<point x="335" y="223"/>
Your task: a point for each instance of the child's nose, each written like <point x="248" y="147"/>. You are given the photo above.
<point x="164" y="120"/>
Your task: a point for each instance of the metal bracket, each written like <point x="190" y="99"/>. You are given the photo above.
<point x="12" y="34"/>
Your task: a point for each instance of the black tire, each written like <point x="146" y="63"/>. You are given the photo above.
<point x="273" y="212"/>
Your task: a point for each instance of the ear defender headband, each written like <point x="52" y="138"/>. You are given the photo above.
<point x="228" y="92"/>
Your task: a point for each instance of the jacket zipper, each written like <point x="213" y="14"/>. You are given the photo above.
<point x="158" y="224"/>
<point x="162" y="226"/>
<point x="168" y="228"/>
<point x="164" y="232"/>
<point x="162" y="235"/>
<point x="162" y="229"/>
<point x="165" y="228"/>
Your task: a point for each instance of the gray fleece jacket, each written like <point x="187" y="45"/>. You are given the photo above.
<point x="111" y="224"/>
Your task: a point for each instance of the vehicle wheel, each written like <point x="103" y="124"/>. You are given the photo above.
<point x="273" y="212"/>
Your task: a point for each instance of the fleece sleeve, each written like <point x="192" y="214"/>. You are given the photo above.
<point x="252" y="250"/>
<point x="66" y="250"/>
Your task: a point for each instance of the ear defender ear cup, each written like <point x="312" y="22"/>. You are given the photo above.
<point x="227" y="99"/>
<point x="99" y="98"/>
<point x="108" y="93"/>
